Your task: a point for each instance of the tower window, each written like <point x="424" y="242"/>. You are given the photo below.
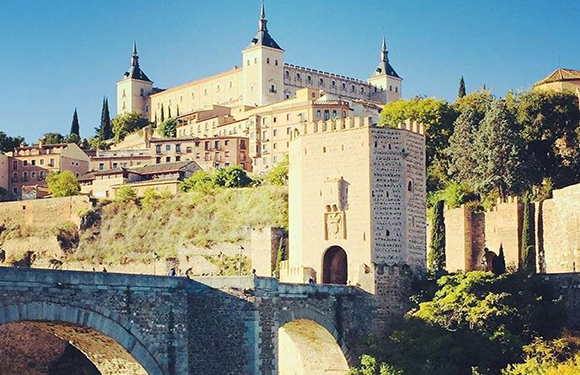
<point x="255" y="60"/>
<point x="142" y="92"/>
<point x="396" y="89"/>
<point x="272" y="89"/>
<point x="287" y="73"/>
<point x="390" y="88"/>
<point x="276" y="62"/>
<point x="333" y="84"/>
<point x="298" y="76"/>
<point x="309" y="78"/>
<point x="321" y="82"/>
<point x="267" y="60"/>
<point x="344" y="86"/>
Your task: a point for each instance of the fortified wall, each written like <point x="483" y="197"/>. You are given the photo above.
<point x="556" y="227"/>
<point x="44" y="213"/>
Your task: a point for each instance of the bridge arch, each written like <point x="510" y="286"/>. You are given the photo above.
<point x="111" y="347"/>
<point x="310" y="344"/>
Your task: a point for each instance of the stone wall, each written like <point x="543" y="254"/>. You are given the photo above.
<point x="264" y="249"/>
<point x="44" y="213"/>
<point x="556" y="227"/>
<point x="558" y="231"/>
<point x="128" y="324"/>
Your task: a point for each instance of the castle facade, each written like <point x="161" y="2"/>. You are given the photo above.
<point x="260" y="99"/>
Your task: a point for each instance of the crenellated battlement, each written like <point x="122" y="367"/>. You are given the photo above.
<point x="349" y="123"/>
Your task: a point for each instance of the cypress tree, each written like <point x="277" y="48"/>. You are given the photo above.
<point x="105" y="131"/>
<point x="461" y="147"/>
<point x="436" y="259"/>
<point x="527" y="252"/>
<point x="162" y="114"/>
<point x="461" y="92"/>
<point x="499" y="262"/>
<point x="279" y="257"/>
<point x="75" y="127"/>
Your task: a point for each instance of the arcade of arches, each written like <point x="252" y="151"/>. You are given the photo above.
<point x="335" y="266"/>
<point x="307" y="348"/>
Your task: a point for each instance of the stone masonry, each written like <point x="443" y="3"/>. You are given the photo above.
<point x="129" y="324"/>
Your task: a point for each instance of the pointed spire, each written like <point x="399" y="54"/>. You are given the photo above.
<point x="135" y="55"/>
<point x="263" y="23"/>
<point x="384" y="52"/>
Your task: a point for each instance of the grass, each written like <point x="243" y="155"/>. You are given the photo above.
<point x="130" y="232"/>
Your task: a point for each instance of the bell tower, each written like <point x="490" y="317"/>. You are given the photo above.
<point x="133" y="89"/>
<point x="386" y="79"/>
<point x="263" y="67"/>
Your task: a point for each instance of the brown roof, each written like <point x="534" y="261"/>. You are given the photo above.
<point x="92" y="174"/>
<point x="164" y="168"/>
<point x="561" y="74"/>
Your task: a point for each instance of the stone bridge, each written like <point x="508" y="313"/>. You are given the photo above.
<point x="148" y="325"/>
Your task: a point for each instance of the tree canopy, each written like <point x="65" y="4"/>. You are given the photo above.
<point x="8" y="143"/>
<point x="168" y="128"/>
<point x="62" y="184"/>
<point x="127" y="123"/>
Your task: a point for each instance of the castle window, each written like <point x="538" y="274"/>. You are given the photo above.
<point x="273" y="89"/>
<point x="390" y="88"/>
<point x="231" y="84"/>
<point x="248" y="63"/>
<point x="388" y="233"/>
<point x="309" y="79"/>
<point x="142" y="92"/>
<point x="146" y="108"/>
<point x="192" y="95"/>
<point x="352" y="88"/>
<point x="321" y="82"/>
<point x="218" y="88"/>
<point x="288" y="130"/>
<point x="396" y="89"/>
<point x="276" y="62"/>
<point x="267" y="60"/>
<point x="298" y="76"/>
<point x="255" y="60"/>
<point x="204" y="92"/>
<point x="344" y="86"/>
<point x="324" y="149"/>
<point x="362" y="89"/>
<point x="333" y="83"/>
<point x="274" y="119"/>
<point x="410" y="186"/>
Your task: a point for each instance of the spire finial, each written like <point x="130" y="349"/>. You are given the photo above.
<point x="135" y="55"/>
<point x="262" y="25"/>
<point x="384" y="52"/>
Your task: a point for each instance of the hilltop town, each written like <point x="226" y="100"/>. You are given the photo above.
<point x="273" y="170"/>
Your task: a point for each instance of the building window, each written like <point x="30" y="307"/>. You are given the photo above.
<point x="158" y="149"/>
<point x="206" y="157"/>
<point x="318" y="113"/>
<point x="274" y="159"/>
<point x="273" y="89"/>
<point x="227" y="154"/>
<point x="15" y="165"/>
<point x="168" y="159"/>
<point x="226" y="142"/>
<point x="298" y="76"/>
<point x="242" y="143"/>
<point x="142" y="93"/>
<point x="167" y="147"/>
<point x="248" y="62"/>
<point x="352" y="88"/>
<point x="15" y="176"/>
<point x="41" y="173"/>
<point x="115" y="165"/>
<point x="390" y="88"/>
<point x="25" y="176"/>
<point x="396" y="89"/>
<point x="287" y="74"/>
<point x="326" y="114"/>
<point x="288" y="130"/>
<point x="321" y="82"/>
<point x="188" y="150"/>
<point x="178" y="158"/>
<point x="276" y="62"/>
<point x="25" y="163"/>
<point x="32" y="174"/>
<point x="217" y="144"/>
<point x="206" y="145"/>
<point x="197" y="155"/>
<point x="51" y="164"/>
<point x="255" y="60"/>
<point x="101" y="166"/>
<point x="265" y="135"/>
<point x="309" y="79"/>
<point x="158" y="160"/>
<point x="274" y="132"/>
<point x="178" y="147"/>
<point x="274" y="146"/>
<point x="33" y="162"/>
<point x="334" y="113"/>
<point x="265" y="160"/>
<point x="267" y="60"/>
<point x="344" y="86"/>
<point x="333" y="83"/>
<point x="41" y="161"/>
<point x="274" y="119"/>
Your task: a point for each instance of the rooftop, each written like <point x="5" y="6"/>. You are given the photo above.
<point x="560" y="75"/>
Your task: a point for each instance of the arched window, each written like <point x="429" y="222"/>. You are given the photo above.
<point x="410" y="186"/>
<point x="267" y="60"/>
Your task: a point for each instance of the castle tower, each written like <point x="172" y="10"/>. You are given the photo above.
<point x="263" y="62"/>
<point x="386" y="79"/>
<point x="134" y="88"/>
<point x="357" y="207"/>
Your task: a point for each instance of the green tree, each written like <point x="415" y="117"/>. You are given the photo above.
<point x="168" y="128"/>
<point x="105" y="131"/>
<point x="52" y="138"/>
<point x="62" y="184"/>
<point x="125" y="194"/>
<point x="150" y="196"/>
<point x="279" y="174"/>
<point x="75" y="126"/>
<point x="461" y="148"/>
<point x="550" y="123"/>
<point x="478" y="101"/>
<point x="200" y="181"/>
<point x="8" y="143"/>
<point x="501" y="154"/>
<point x="461" y="92"/>
<point x="127" y="123"/>
<point x="436" y="259"/>
<point x="72" y="138"/>
<point x="528" y="253"/>
<point x="233" y="177"/>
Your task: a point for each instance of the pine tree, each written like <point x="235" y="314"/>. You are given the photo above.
<point x="105" y="131"/>
<point x="501" y="156"/>
<point x="461" y="92"/>
<point x="527" y="252"/>
<point x="75" y="127"/>
<point x="461" y="147"/>
<point x="437" y="251"/>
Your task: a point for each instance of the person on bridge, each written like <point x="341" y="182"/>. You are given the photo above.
<point x="172" y="272"/>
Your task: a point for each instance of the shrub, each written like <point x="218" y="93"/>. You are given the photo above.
<point x="200" y="181"/>
<point x="67" y="236"/>
<point x="125" y="194"/>
<point x="232" y="177"/>
<point x="279" y="175"/>
<point x="168" y="128"/>
<point x="150" y="197"/>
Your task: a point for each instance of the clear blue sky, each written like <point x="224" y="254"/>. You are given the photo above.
<point x="60" y="54"/>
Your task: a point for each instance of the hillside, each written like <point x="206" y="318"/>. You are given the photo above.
<point x="199" y="231"/>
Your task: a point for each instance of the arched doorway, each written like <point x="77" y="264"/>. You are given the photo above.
<point x="109" y="346"/>
<point x="335" y="266"/>
<point x="307" y="348"/>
